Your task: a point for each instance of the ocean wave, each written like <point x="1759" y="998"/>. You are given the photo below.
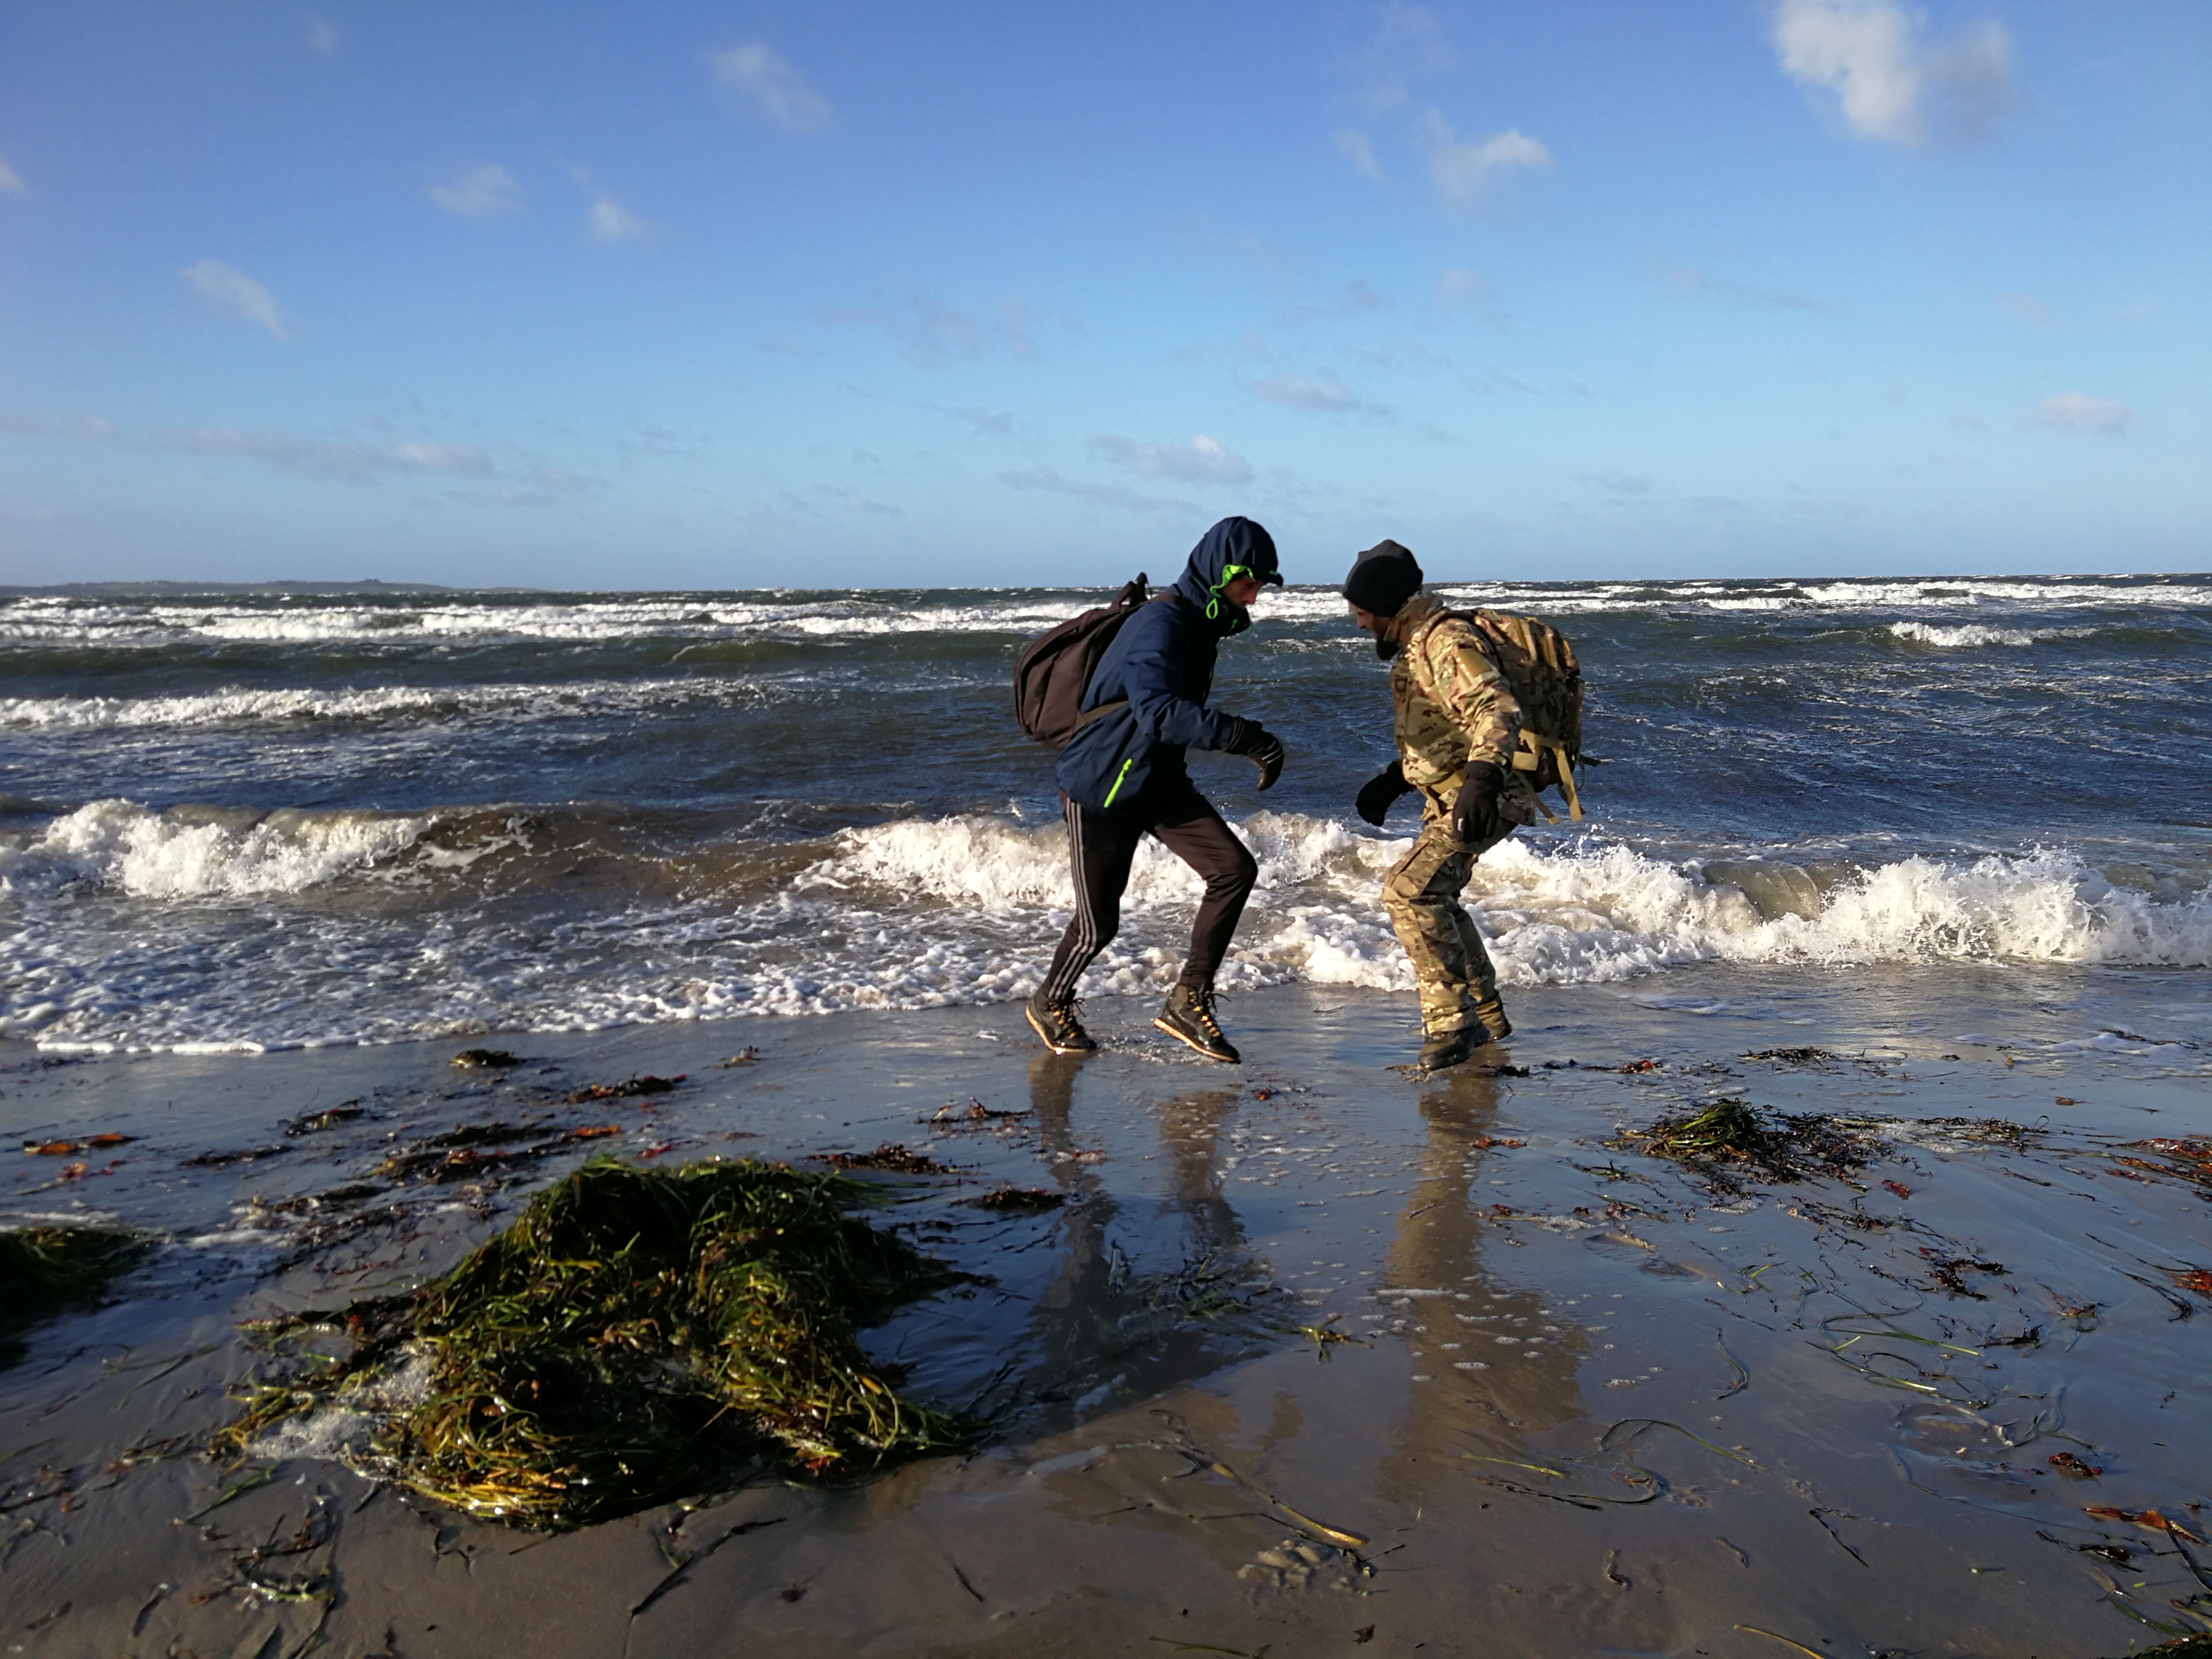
<point x="493" y="619"/>
<point x="203" y="852"/>
<point x="1586" y="912"/>
<point x="721" y="616"/>
<point x="1972" y="633"/>
<point x="242" y="706"/>
<point x="136" y="928"/>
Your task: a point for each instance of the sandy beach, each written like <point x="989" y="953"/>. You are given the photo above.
<point x="1589" y="1404"/>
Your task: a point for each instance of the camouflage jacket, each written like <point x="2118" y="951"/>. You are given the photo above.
<point x="1452" y="705"/>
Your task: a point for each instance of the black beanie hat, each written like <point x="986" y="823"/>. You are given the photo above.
<point x="1383" y="579"/>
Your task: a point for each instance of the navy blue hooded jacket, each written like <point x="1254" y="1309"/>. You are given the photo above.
<point x="1162" y="662"/>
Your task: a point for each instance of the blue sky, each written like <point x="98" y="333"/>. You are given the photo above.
<point x="847" y="295"/>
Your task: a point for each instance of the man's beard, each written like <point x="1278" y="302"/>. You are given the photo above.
<point x="1386" y="645"/>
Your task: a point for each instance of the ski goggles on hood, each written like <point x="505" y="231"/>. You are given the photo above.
<point x="1230" y="572"/>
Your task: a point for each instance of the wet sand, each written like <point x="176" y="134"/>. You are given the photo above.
<point x="1591" y="1405"/>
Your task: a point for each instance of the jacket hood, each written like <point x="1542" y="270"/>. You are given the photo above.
<point x="1232" y="542"/>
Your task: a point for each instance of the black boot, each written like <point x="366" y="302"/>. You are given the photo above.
<point x="1492" y="1016"/>
<point x="1451" y="1047"/>
<point x="1056" y="1022"/>
<point x="1189" y="1017"/>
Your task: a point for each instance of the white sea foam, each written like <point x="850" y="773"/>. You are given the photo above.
<point x="177" y="854"/>
<point x="719" y="616"/>
<point x="136" y="929"/>
<point x="244" y="707"/>
<point x="708" y="616"/>
<point x="1594" y="912"/>
<point x="1970" y="633"/>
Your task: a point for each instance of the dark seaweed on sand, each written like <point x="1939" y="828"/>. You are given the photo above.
<point x="1015" y="1198"/>
<point x="2180" y="1157"/>
<point x="1731" y="1138"/>
<point x="44" y="1270"/>
<point x="637" y="1335"/>
<point x="891" y="1156"/>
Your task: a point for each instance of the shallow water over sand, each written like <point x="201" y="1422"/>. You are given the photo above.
<point x="1591" y="1406"/>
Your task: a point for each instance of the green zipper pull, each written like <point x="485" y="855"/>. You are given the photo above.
<point x="1120" y="778"/>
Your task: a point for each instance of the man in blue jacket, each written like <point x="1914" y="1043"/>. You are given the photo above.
<point x="1122" y="777"/>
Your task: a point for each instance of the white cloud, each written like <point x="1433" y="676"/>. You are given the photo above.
<point x="1409" y="43"/>
<point x="1458" y="286"/>
<point x="1690" y="279"/>
<point x="322" y="36"/>
<point x="986" y="422"/>
<point x="2077" y="411"/>
<point x="1888" y="86"/>
<point x="1014" y="317"/>
<point x="11" y="182"/>
<point x="1202" y="460"/>
<point x="1359" y="149"/>
<point x="609" y="221"/>
<point x="930" y="333"/>
<point x="319" y="458"/>
<point x="2027" y="308"/>
<point x="305" y="458"/>
<point x="1322" y="393"/>
<point x="1356" y="298"/>
<point x="89" y="428"/>
<point x="1263" y="253"/>
<point x="235" y="294"/>
<point x="1619" y="483"/>
<point x="479" y="193"/>
<point x="778" y="93"/>
<point x="1463" y="168"/>
<point x="1119" y="497"/>
<point x="541" y="486"/>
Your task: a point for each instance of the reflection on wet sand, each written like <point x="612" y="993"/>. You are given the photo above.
<point x="1138" y="1302"/>
<point x="1490" y="1365"/>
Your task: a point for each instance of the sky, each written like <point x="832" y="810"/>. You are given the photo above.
<point x="844" y="294"/>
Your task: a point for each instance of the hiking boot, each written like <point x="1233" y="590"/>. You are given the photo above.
<point x="1056" y="1022"/>
<point x="1451" y="1047"/>
<point x="1492" y="1016"/>
<point x="1188" y="1017"/>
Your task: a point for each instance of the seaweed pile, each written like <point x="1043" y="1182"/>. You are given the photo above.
<point x="44" y="1270"/>
<point x="634" y="1335"/>
<point x="1732" y="1139"/>
<point x="2182" y="1158"/>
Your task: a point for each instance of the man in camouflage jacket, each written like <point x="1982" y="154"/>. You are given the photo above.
<point x="1457" y="725"/>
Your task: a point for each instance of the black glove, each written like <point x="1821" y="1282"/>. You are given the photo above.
<point x="1475" y="817"/>
<point x="1380" y="792"/>
<point x="1252" y="740"/>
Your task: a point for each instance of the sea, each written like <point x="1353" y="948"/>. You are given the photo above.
<point x="240" y="820"/>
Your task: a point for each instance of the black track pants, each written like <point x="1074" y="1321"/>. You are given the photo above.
<point x="1103" y="847"/>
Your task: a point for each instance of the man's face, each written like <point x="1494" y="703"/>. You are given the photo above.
<point x="1242" y="591"/>
<point x="1377" y="629"/>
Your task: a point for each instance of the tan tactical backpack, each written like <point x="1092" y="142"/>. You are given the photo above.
<point x="1539" y="667"/>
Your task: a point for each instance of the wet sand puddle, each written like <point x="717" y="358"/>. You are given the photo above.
<point x="1298" y="1358"/>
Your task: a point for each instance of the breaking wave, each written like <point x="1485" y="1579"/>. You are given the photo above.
<point x="1970" y="634"/>
<point x="202" y="852"/>
<point x="243" y="706"/>
<point x="1582" y="913"/>
<point x="133" y="927"/>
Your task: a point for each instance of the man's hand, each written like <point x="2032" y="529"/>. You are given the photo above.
<point x="1475" y="817"/>
<point x="1253" y="740"/>
<point x="1380" y="792"/>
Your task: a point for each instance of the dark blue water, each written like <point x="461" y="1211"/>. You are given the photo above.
<point x="260" y="817"/>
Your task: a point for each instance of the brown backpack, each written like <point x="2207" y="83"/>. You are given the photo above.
<point x="1540" y="667"/>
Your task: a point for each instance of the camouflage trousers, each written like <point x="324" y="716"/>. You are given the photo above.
<point x="1458" y="986"/>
